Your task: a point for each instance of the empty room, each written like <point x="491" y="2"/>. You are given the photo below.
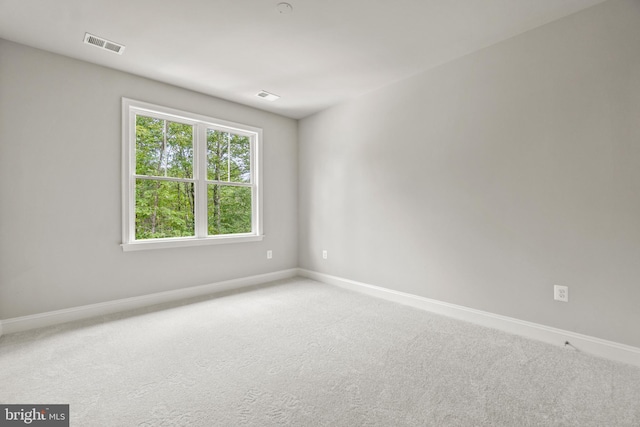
<point x="320" y="213"/>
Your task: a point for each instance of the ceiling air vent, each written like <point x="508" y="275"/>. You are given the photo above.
<point x="103" y="43"/>
<point x="266" y="95"/>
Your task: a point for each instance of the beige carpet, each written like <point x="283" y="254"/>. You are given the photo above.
<point x="306" y="354"/>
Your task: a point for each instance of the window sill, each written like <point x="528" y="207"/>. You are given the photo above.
<point x="142" y="245"/>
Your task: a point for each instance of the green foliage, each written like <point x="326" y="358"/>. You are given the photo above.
<point x="234" y="213"/>
<point x="228" y="157"/>
<point x="163" y="148"/>
<point x="166" y="208"/>
<point x="228" y="160"/>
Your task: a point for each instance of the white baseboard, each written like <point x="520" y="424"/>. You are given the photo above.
<point x="50" y="318"/>
<point x="592" y="345"/>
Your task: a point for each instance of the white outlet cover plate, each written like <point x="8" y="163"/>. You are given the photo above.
<point x="561" y="293"/>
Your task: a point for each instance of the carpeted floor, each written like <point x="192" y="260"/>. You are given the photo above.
<point x="302" y="353"/>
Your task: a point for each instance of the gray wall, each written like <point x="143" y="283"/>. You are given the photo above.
<point x="489" y="179"/>
<point x="60" y="178"/>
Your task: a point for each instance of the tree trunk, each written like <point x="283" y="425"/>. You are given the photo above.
<point x="154" y="215"/>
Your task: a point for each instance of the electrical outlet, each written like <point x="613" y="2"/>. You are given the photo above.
<point x="324" y="255"/>
<point x="269" y="254"/>
<point x="561" y="293"/>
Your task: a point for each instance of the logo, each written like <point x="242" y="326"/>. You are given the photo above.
<point x="34" y="415"/>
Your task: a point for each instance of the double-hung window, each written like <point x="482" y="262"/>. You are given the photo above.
<point x="188" y="179"/>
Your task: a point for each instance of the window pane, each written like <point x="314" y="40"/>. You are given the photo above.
<point x="163" y="148"/>
<point x="228" y="157"/>
<point x="217" y="149"/>
<point x="229" y="209"/>
<point x="239" y="159"/>
<point x="164" y="209"/>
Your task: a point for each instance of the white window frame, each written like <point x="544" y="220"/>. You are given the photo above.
<point x="131" y="108"/>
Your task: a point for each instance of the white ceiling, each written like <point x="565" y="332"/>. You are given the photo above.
<point x="323" y="53"/>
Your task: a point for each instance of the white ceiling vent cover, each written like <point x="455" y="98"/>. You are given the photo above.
<point x="268" y="96"/>
<point x="103" y="43"/>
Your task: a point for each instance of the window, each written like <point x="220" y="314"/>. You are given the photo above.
<point x="188" y="179"/>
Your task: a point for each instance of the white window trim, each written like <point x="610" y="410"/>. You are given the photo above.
<point x="132" y="107"/>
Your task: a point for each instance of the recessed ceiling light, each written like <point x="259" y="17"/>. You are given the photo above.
<point x="266" y="95"/>
<point x="284" y="8"/>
